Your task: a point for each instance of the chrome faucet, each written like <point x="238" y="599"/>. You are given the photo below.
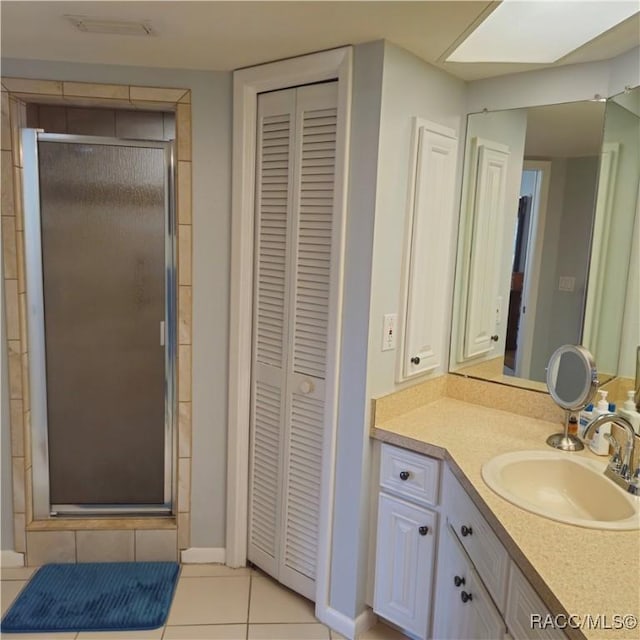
<point x="619" y="469"/>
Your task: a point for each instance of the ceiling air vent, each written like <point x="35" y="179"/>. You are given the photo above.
<point x="115" y="27"/>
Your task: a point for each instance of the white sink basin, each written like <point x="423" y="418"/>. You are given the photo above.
<point x="564" y="487"/>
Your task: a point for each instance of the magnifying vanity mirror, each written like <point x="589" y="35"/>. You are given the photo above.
<point x="548" y="226"/>
<point x="572" y="381"/>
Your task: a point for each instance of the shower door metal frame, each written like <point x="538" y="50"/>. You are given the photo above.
<point x="42" y="507"/>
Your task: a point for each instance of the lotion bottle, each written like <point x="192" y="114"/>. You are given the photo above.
<point x="599" y="444"/>
<point x="630" y="412"/>
<point x="586" y="416"/>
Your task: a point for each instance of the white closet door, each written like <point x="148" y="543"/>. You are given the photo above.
<point x="316" y="116"/>
<point x="274" y="168"/>
<point x="294" y="224"/>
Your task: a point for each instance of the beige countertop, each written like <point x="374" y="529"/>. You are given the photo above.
<point x="575" y="570"/>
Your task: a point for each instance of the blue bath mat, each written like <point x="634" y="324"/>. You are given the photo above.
<point x="96" y="596"/>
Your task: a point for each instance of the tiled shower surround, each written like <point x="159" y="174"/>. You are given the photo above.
<point x="64" y="107"/>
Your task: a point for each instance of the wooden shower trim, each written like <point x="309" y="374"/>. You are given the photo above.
<point x="16" y="94"/>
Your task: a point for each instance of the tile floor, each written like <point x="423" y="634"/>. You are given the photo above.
<point x="214" y="602"/>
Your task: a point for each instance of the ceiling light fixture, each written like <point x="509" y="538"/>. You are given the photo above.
<point x="541" y="30"/>
<point x="114" y="27"/>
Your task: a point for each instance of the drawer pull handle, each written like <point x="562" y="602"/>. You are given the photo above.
<point x="466" y="597"/>
<point x="423" y="531"/>
<point x="495" y="338"/>
<point x="415" y="360"/>
<point x="465" y="531"/>
<point x="404" y="475"/>
<point x="458" y="581"/>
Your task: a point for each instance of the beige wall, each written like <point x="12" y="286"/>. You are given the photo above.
<point x="211" y="108"/>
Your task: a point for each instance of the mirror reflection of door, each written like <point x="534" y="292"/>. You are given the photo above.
<point x="525" y="277"/>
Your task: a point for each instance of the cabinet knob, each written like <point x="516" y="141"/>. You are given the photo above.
<point x="465" y="531"/>
<point x="495" y="338"/>
<point x="458" y="581"/>
<point x="415" y="360"/>
<point x="404" y="475"/>
<point x="466" y="597"/>
<point x="423" y="531"/>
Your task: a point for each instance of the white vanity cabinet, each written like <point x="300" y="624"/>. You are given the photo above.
<point x="406" y="539"/>
<point x="463" y="609"/>
<point x="440" y="570"/>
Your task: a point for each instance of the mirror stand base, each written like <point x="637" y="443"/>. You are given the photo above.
<point x="565" y="441"/>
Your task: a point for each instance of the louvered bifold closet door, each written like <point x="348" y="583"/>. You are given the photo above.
<point x="312" y="229"/>
<point x="274" y="170"/>
<point x="295" y="169"/>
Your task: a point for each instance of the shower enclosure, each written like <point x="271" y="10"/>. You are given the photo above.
<point x="100" y="245"/>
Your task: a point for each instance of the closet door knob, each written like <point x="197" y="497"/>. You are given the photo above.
<point x="306" y="386"/>
<point x="423" y="531"/>
<point x="404" y="475"/>
<point x="466" y="597"/>
<point x="415" y="360"/>
<point x="495" y="338"/>
<point x="458" y="581"/>
<point x="465" y="531"/>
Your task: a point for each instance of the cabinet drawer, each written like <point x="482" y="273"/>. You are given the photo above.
<point x="489" y="557"/>
<point x="526" y="613"/>
<point x="410" y="474"/>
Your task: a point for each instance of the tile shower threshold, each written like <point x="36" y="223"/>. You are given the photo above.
<point x="102" y="523"/>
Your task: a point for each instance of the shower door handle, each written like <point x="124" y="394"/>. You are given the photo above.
<point x="162" y="334"/>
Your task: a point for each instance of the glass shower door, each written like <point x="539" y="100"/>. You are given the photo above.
<point x="107" y="292"/>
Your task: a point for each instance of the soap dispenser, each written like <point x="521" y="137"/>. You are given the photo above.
<point x="603" y="404"/>
<point x="630" y="412"/>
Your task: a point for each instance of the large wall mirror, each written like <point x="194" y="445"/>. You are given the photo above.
<point x="548" y="240"/>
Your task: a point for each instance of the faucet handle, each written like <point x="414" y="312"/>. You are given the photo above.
<point x="616" y="458"/>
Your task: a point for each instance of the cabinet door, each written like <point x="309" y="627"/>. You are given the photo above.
<point x="526" y="612"/>
<point x="404" y="564"/>
<point x="486" y="209"/>
<point x="432" y="202"/>
<point x="464" y="609"/>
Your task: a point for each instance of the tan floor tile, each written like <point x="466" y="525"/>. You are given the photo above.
<point x="212" y="571"/>
<point x="209" y="600"/>
<point x="207" y="632"/>
<point x="8" y="592"/>
<point x="288" y="632"/>
<point x="16" y="573"/>
<point x="382" y="632"/>
<point x="64" y="635"/>
<point x="337" y="636"/>
<point x="150" y="634"/>
<point x="271" y="602"/>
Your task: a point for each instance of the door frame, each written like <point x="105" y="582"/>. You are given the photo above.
<point x="247" y="84"/>
<point x="42" y="506"/>
<point x="533" y="263"/>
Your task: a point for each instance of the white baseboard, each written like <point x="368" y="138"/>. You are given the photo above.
<point x="203" y="555"/>
<point x="11" y="559"/>
<point x="348" y="627"/>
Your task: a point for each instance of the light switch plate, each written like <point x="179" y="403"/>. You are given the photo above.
<point x="389" y="322"/>
<point x="567" y="283"/>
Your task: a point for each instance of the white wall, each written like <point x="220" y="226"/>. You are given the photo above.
<point x="211" y="129"/>
<point x="574" y="250"/>
<point x="621" y="127"/>
<point x="385" y="101"/>
<point x="410" y="88"/>
<point x="351" y="475"/>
